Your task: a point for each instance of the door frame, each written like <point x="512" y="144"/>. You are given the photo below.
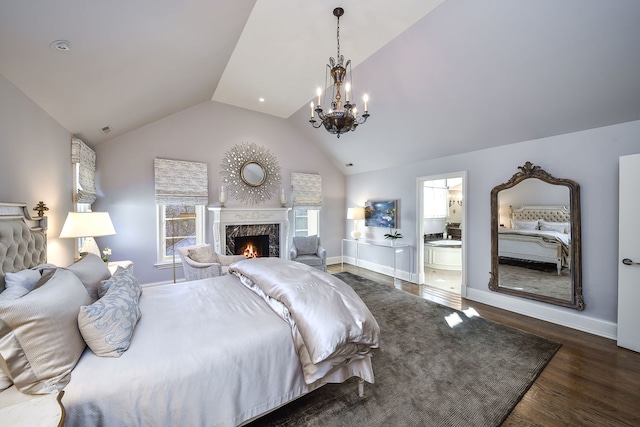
<point x="420" y="225"/>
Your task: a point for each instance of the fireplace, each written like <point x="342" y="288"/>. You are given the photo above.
<point x="268" y="232"/>
<point x="252" y="246"/>
<point x="231" y="223"/>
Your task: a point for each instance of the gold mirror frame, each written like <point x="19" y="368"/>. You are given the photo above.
<point x="526" y="172"/>
<point x="253" y="174"/>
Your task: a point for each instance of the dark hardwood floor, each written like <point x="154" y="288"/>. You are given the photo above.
<point x="589" y="382"/>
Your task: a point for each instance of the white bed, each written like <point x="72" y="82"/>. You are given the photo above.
<point x="538" y="234"/>
<point x="214" y="352"/>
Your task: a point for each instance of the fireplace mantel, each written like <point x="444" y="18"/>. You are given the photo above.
<point x="222" y="217"/>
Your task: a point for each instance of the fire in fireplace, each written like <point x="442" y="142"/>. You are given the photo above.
<point x="252" y="246"/>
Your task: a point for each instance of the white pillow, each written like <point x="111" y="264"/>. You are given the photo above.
<point x="520" y="224"/>
<point x="91" y="270"/>
<point x="41" y="342"/>
<point x="203" y="254"/>
<point x="9" y="294"/>
<point x="107" y="325"/>
<point x="560" y="227"/>
<point x="25" y="278"/>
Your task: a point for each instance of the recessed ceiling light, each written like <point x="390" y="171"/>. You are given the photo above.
<point x="61" y="45"/>
<point x="261" y="99"/>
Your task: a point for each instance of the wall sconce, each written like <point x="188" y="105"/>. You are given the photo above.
<point x="355" y="214"/>
<point x="455" y="200"/>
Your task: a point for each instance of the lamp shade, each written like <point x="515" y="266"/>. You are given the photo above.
<point x="355" y="213"/>
<point x="87" y="224"/>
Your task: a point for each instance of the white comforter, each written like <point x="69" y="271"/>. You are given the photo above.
<point x="205" y="353"/>
<point x="213" y="353"/>
<point x="563" y="238"/>
<point x="330" y="324"/>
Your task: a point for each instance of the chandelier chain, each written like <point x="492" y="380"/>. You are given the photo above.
<point x="338" y="37"/>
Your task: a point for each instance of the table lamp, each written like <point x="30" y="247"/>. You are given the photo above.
<point x="87" y="225"/>
<point x="355" y="214"/>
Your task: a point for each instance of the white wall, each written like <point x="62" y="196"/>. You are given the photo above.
<point x="35" y="164"/>
<point x="588" y="157"/>
<point x="203" y="133"/>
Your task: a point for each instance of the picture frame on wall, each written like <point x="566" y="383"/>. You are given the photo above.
<point x="381" y="213"/>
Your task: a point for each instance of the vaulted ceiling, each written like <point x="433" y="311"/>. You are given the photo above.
<point x="443" y="76"/>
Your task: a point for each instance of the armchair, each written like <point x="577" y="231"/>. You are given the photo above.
<point x="307" y="250"/>
<point x="200" y="262"/>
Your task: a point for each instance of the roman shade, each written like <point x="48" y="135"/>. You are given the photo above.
<point x="180" y="182"/>
<point x="84" y="160"/>
<point x="307" y="190"/>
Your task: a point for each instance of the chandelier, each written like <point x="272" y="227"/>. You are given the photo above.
<point x="342" y="117"/>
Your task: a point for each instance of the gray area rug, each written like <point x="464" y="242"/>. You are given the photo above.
<point x="427" y="373"/>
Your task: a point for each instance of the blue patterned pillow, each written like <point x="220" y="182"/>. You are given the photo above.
<point x="107" y="325"/>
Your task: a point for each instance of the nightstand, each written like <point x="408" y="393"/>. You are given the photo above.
<point x="113" y="265"/>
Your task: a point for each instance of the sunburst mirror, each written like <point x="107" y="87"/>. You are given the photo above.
<point x="250" y="173"/>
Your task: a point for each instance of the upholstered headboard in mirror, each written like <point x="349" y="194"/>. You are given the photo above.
<point x="545" y="213"/>
<point x="23" y="239"/>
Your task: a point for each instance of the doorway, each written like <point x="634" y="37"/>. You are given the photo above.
<point x="441" y="222"/>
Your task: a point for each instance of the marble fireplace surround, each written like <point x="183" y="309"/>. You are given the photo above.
<point x="235" y="218"/>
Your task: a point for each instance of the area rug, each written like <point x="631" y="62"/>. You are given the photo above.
<point x="427" y="373"/>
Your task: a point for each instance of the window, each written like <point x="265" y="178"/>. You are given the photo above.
<point x="181" y="195"/>
<point x="435" y="199"/>
<point x="306" y="222"/>
<point x="179" y="225"/>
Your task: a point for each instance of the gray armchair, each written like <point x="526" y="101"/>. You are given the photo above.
<point x="200" y="262"/>
<point x="307" y="250"/>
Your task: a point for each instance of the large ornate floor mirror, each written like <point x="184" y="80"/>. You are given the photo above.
<point x="535" y="238"/>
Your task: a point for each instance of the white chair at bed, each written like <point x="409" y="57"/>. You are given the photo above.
<point x="201" y="262"/>
<point x="307" y="250"/>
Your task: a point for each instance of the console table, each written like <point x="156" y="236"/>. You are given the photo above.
<point x="398" y="248"/>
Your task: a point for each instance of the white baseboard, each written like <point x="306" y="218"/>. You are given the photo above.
<point x="560" y="316"/>
<point x="382" y="269"/>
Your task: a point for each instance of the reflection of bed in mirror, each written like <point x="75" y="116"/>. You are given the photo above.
<point x="538" y="234"/>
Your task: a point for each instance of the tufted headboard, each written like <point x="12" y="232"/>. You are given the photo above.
<point x="23" y="240"/>
<point x="545" y="213"/>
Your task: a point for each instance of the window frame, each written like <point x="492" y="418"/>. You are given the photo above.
<point x="200" y="222"/>
<point x="314" y="221"/>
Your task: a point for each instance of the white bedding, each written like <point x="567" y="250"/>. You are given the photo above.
<point x="563" y="238"/>
<point x="330" y="324"/>
<point x="208" y="352"/>
<point x="536" y="245"/>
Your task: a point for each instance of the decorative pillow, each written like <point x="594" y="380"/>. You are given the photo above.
<point x="519" y="224"/>
<point x="560" y="227"/>
<point x="106" y="284"/>
<point x="41" y="342"/>
<point x="25" y="278"/>
<point x="306" y="245"/>
<point x="91" y="271"/>
<point x="107" y="325"/>
<point x="204" y="254"/>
